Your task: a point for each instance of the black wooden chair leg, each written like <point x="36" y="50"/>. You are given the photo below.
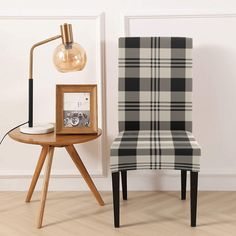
<point x="183" y="184"/>
<point x="124" y="184"/>
<point x="193" y="196"/>
<point x="116" y="198"/>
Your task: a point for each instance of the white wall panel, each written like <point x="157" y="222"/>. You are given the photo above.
<point x="18" y="34"/>
<point x="214" y="83"/>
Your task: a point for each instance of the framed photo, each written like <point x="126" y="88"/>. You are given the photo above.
<point x="76" y="109"/>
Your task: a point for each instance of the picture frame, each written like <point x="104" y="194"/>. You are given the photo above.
<point x="76" y="109"/>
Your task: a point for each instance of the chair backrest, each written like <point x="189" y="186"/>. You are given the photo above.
<point x="155" y="83"/>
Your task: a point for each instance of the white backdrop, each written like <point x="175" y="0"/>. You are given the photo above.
<point x="212" y="29"/>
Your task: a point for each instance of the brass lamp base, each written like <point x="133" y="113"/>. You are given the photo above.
<point x="37" y="129"/>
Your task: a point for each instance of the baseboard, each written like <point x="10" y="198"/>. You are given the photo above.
<point x="209" y="180"/>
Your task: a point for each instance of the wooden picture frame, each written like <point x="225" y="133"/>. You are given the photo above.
<point x="76" y="109"/>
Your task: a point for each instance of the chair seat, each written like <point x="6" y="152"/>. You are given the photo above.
<point x="164" y="149"/>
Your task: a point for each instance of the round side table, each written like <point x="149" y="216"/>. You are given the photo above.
<point x="48" y="143"/>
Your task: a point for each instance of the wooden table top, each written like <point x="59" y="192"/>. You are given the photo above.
<point x="53" y="139"/>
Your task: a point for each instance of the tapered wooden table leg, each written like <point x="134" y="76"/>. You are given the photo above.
<point x="37" y="171"/>
<point x="80" y="165"/>
<point x="45" y="186"/>
<point x="49" y="142"/>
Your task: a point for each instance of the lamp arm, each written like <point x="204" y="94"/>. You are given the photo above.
<point x="32" y="51"/>
<point x="31" y="75"/>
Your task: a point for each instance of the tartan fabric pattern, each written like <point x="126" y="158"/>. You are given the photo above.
<point x="152" y="149"/>
<point x="155" y="83"/>
<point x="155" y="105"/>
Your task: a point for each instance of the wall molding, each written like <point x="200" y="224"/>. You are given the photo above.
<point x="99" y="21"/>
<point x="181" y="14"/>
<point x="171" y="15"/>
<point x="57" y="175"/>
<point x="147" y="174"/>
<point x="137" y="181"/>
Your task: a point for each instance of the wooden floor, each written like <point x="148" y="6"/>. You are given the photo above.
<point x="144" y="214"/>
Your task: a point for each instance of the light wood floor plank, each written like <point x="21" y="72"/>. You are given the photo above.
<point x="144" y="214"/>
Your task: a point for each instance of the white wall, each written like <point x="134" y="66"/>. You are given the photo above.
<point x="97" y="26"/>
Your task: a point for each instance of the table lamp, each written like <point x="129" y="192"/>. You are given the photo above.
<point x="68" y="57"/>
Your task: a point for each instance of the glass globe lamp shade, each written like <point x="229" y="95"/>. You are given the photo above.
<point x="68" y="58"/>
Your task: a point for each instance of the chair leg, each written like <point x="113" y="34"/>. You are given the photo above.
<point x="124" y="184"/>
<point x="183" y="184"/>
<point x="116" y="198"/>
<point x="193" y="196"/>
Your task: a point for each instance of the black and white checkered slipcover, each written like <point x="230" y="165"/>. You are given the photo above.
<point x="155" y="105"/>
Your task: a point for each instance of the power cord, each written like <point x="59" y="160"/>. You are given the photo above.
<point x="12" y="130"/>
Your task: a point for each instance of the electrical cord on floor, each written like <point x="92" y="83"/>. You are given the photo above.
<point x="12" y="130"/>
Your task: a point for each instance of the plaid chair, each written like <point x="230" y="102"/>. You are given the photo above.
<point x="155" y="113"/>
